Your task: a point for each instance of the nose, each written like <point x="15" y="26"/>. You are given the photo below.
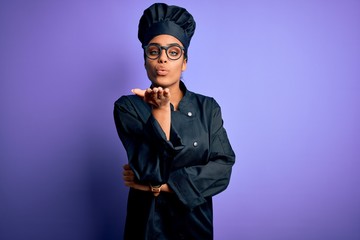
<point x="163" y="57"/>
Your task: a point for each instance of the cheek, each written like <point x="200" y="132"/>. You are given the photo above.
<point x="148" y="67"/>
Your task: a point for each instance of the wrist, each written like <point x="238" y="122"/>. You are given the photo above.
<point x="162" y="108"/>
<point x="155" y="189"/>
<point x="165" y="188"/>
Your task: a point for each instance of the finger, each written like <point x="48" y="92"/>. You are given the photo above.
<point x="138" y="91"/>
<point x="157" y="94"/>
<point x="151" y="93"/>
<point x="128" y="178"/>
<point x="147" y="94"/>
<point x="166" y="93"/>
<point x="128" y="184"/>
<point x="128" y="173"/>
<point x="160" y="93"/>
<point x="126" y="167"/>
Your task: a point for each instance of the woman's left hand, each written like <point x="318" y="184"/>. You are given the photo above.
<point x="130" y="180"/>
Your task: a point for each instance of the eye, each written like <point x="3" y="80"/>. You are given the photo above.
<point x="153" y="51"/>
<point x="174" y="51"/>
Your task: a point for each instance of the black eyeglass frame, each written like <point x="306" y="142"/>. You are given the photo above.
<point x="166" y="50"/>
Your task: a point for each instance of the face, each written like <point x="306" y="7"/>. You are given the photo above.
<point x="163" y="71"/>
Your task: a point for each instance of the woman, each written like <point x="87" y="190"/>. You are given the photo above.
<point x="178" y="151"/>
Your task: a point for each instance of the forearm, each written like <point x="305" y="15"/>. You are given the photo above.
<point x="163" y="116"/>
<point x="130" y="181"/>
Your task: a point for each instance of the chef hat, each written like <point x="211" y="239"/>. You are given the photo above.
<point x="161" y="18"/>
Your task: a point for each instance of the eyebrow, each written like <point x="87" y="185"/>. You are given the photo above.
<point x="165" y="45"/>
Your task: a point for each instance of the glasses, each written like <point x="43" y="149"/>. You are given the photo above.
<point x="173" y="51"/>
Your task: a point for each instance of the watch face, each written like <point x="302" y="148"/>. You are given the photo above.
<point x="156" y="190"/>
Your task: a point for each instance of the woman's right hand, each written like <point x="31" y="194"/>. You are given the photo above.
<point x="157" y="96"/>
<point x="159" y="99"/>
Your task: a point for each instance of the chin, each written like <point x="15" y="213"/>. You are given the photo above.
<point x="163" y="82"/>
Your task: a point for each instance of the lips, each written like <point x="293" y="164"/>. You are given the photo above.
<point x="161" y="71"/>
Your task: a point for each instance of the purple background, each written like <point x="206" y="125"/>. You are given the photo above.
<point x="286" y="73"/>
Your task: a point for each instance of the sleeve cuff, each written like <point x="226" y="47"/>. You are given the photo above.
<point x="186" y="191"/>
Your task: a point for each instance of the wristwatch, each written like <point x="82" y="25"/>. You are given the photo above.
<point x="155" y="189"/>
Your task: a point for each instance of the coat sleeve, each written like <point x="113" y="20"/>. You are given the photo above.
<point x="149" y="153"/>
<point x="193" y="184"/>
